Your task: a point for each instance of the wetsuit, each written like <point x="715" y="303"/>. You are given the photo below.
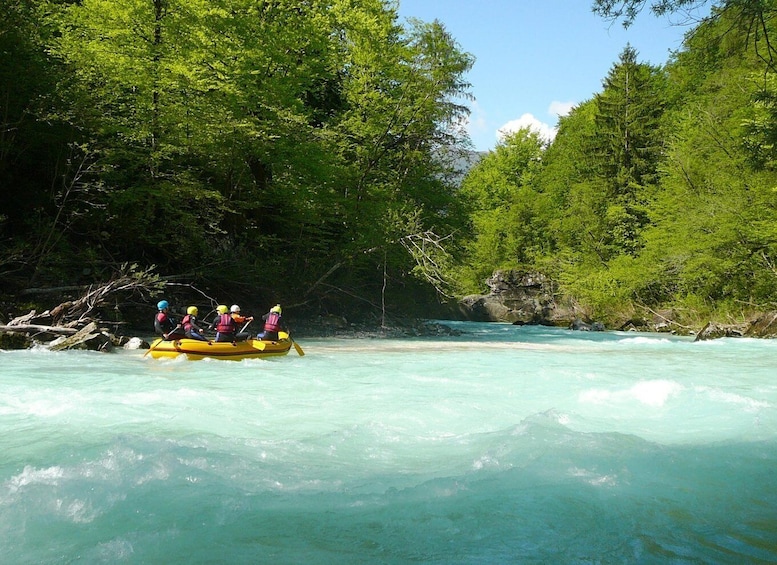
<point x="167" y="328"/>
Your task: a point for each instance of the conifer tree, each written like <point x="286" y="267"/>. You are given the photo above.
<point x="626" y="145"/>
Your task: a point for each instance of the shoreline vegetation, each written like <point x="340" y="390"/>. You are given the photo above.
<point x="113" y="314"/>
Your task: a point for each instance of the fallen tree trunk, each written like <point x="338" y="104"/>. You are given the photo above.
<point x="80" y="322"/>
<point x="86" y="333"/>
<point x="28" y="328"/>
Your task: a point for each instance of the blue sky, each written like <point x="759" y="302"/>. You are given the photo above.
<point x="537" y="58"/>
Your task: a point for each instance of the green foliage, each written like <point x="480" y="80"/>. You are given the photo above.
<point x="170" y="223"/>
<point x="290" y="141"/>
<point x="659" y="192"/>
<point x="308" y="148"/>
<point x="505" y="208"/>
<point x="628" y="10"/>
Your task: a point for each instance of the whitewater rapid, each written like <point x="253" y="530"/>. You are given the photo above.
<point x="504" y="444"/>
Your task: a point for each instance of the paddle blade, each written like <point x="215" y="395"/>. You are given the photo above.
<point x="153" y="346"/>
<point x="298" y="348"/>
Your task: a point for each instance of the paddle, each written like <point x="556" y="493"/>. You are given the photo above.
<point x="153" y="346"/>
<point x="297" y="347"/>
<point x="159" y="340"/>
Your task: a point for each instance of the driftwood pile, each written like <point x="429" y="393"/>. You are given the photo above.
<point x="76" y="324"/>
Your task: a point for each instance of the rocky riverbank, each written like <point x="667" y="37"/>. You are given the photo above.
<point x="532" y="298"/>
<point x="102" y="320"/>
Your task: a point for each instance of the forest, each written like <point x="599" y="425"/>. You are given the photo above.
<point x="657" y="193"/>
<point x="313" y="153"/>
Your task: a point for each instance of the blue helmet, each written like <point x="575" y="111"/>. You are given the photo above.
<point x="162" y="304"/>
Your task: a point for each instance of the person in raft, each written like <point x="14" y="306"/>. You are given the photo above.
<point x="189" y="323"/>
<point x="239" y="321"/>
<point x="223" y="324"/>
<point x="226" y="326"/>
<point x="165" y="325"/>
<point x="272" y="324"/>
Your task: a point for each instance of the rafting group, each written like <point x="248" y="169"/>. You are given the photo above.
<point x="232" y="341"/>
<point x="225" y="324"/>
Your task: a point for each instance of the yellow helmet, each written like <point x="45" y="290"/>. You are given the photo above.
<point x="192" y="310"/>
<point x="221" y="309"/>
<point x="276" y="308"/>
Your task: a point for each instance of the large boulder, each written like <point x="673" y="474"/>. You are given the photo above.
<point x="765" y="325"/>
<point x="520" y="297"/>
<point x="14" y="340"/>
<point x="583" y="326"/>
<point x="714" y="330"/>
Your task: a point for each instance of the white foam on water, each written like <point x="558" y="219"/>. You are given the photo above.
<point x="593" y="478"/>
<point x="645" y="340"/>
<point x="77" y="511"/>
<point x="748" y="403"/>
<point x="653" y="393"/>
<point x="33" y="476"/>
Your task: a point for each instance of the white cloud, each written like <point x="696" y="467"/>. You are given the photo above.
<point x="560" y="108"/>
<point x="546" y="131"/>
<point x="527" y="121"/>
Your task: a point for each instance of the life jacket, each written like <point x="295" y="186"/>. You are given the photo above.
<point x="273" y="322"/>
<point x="163" y="323"/>
<point x="225" y="325"/>
<point x="188" y="322"/>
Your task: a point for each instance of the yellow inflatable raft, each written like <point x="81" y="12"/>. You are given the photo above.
<point x="195" y="349"/>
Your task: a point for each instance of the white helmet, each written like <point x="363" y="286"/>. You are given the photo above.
<point x="235" y="308"/>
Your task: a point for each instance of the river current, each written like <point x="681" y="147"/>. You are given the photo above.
<point x="505" y="444"/>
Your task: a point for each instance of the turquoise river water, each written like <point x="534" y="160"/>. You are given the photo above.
<point x="506" y="444"/>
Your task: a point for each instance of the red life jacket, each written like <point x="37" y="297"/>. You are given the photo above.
<point x="226" y="324"/>
<point x="187" y="322"/>
<point x="273" y="322"/>
<point x="163" y="323"/>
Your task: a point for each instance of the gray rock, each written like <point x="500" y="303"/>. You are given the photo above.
<point x="520" y="297"/>
<point x="584" y="326"/>
<point x="715" y="331"/>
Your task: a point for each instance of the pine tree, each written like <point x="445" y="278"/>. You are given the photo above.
<point x="626" y="146"/>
